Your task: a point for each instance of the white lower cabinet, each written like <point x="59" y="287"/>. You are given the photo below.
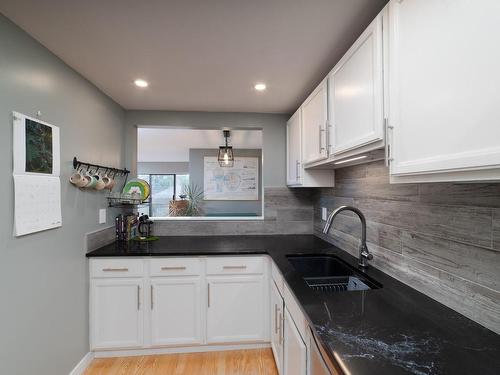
<point x="277" y="326"/>
<point x="146" y="303"/>
<point x="295" y="350"/>
<point x="184" y="301"/>
<point x="176" y="313"/>
<point x="116" y="313"/>
<point x="236" y="308"/>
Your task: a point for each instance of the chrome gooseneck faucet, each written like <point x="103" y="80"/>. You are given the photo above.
<point x="364" y="254"/>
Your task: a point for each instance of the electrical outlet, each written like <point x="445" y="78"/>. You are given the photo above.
<point x="102" y="216"/>
<point x="324" y="213"/>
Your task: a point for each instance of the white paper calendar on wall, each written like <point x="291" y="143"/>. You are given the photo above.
<point x="37" y="185"/>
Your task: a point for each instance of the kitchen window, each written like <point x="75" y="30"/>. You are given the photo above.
<point x="164" y="188"/>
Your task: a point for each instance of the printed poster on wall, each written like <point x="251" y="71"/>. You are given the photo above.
<point x="37" y="186"/>
<point x="240" y="182"/>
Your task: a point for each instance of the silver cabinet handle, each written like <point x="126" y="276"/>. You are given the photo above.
<point x="208" y="294"/>
<point x="234" y="267"/>
<point x="280" y="328"/>
<point x="275" y="319"/>
<point x="388" y="128"/>
<point x="319" y="138"/>
<point x="179" y="268"/>
<point x="115" y="269"/>
<point x="386" y="133"/>
<point x="138" y="297"/>
<point x="297" y="170"/>
<point x="328" y="129"/>
<point x="321" y="131"/>
<point x="152" y="303"/>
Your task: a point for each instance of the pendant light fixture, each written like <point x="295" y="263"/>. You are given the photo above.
<point x="226" y="157"/>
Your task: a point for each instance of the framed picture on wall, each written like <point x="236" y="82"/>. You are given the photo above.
<point x="239" y="182"/>
<point x="36" y="146"/>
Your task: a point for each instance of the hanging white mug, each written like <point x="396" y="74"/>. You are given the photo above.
<point x="100" y="183"/>
<point x="107" y="181"/>
<point x="92" y="181"/>
<point x="112" y="183"/>
<point x="79" y="179"/>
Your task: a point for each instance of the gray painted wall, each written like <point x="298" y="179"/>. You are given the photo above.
<point x="162" y="167"/>
<point x="196" y="177"/>
<point x="43" y="276"/>
<point x="272" y="125"/>
<point x="442" y="239"/>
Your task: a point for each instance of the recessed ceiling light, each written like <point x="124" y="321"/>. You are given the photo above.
<point x="260" y="86"/>
<point x="141" y="83"/>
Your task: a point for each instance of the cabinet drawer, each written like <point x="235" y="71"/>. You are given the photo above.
<point x="117" y="267"/>
<point x="175" y="267"/>
<point x="235" y="265"/>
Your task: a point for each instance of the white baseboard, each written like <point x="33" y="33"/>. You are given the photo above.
<point x="83" y="364"/>
<point x="175" y="350"/>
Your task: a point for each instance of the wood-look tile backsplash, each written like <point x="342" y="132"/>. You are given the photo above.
<point x="286" y="211"/>
<point x="442" y="239"/>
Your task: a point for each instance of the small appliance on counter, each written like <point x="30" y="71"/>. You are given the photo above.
<point x="145" y="229"/>
<point x="126" y="226"/>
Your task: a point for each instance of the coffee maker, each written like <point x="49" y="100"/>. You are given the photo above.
<point x="145" y="226"/>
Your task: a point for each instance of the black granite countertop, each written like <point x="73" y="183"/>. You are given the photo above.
<point x="388" y="331"/>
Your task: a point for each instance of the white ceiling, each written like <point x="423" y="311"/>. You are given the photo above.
<point x="172" y="145"/>
<point x="201" y="55"/>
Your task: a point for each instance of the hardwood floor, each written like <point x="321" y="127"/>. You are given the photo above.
<point x="233" y="362"/>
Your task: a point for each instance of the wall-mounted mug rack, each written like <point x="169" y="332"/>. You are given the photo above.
<point x="78" y="164"/>
<point x="84" y="170"/>
<point x="95" y="176"/>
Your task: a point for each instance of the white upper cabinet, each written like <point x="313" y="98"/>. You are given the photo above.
<point x="355" y="101"/>
<point x="444" y="79"/>
<point x="294" y="154"/>
<point x="314" y="125"/>
<point x="296" y="175"/>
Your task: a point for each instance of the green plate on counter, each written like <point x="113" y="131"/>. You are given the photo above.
<point x="146" y="239"/>
<point x="137" y="185"/>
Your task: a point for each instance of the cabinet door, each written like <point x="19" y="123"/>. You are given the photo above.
<point x="356" y="93"/>
<point x="236" y="309"/>
<point x="277" y="326"/>
<point x="293" y="149"/>
<point x="314" y="116"/>
<point x="176" y="310"/>
<point x="116" y="308"/>
<point x="443" y="88"/>
<point x="295" y="351"/>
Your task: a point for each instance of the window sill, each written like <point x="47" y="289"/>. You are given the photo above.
<point x="209" y="218"/>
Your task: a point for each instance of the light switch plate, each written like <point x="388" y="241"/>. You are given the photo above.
<point x="102" y="216"/>
<point x="324" y="213"/>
